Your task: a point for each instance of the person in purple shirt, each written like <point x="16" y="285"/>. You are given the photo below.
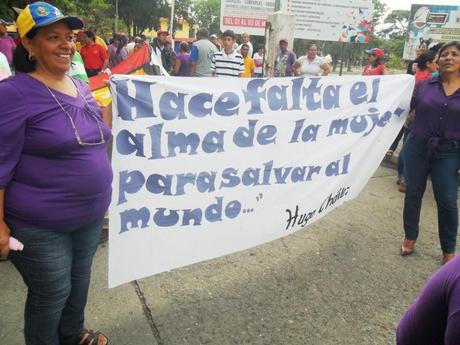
<point x="433" y="148"/>
<point x="7" y="44"/>
<point x="182" y="65"/>
<point x="284" y="60"/>
<point x="55" y="178"/>
<point x="434" y="318"/>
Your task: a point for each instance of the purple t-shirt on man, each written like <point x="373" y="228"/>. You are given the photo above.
<point x="50" y="180"/>
<point x="434" y="318"/>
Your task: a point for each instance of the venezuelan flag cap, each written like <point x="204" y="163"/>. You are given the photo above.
<point x="39" y="14"/>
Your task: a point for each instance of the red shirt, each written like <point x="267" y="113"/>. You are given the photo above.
<point x="379" y="70"/>
<point x="93" y="56"/>
<point x="420" y="75"/>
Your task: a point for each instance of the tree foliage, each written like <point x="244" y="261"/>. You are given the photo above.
<point x="207" y="14"/>
<point x="396" y="24"/>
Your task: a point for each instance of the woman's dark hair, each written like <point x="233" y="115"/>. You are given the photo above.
<point x="183" y="46"/>
<point x="21" y="61"/>
<point x="455" y="44"/>
<point x="378" y="61"/>
<point x="426" y="57"/>
<point x="90" y="35"/>
<point x="123" y="42"/>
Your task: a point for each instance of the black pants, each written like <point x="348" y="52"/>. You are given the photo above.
<point x="92" y="72"/>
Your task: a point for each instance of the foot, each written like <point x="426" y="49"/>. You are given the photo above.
<point x="389" y="154"/>
<point x="89" y="337"/>
<point x="402" y="187"/>
<point x="407" y="247"/>
<point x="446" y="257"/>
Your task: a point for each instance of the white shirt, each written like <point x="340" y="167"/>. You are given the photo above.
<point x="258" y="60"/>
<point x="5" y="70"/>
<point x="251" y="49"/>
<point x="310" y="68"/>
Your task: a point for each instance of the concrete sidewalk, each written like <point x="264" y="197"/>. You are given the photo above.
<point x="339" y="281"/>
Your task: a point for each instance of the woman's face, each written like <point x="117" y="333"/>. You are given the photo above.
<point x="449" y="60"/>
<point x="312" y="51"/>
<point x="52" y="47"/>
<point x="372" y="58"/>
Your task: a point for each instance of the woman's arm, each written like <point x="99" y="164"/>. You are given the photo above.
<point x="177" y="66"/>
<point x="326" y="69"/>
<point x="107" y="115"/>
<point x="4" y="230"/>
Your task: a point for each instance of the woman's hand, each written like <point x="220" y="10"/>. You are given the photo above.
<point x="4" y="239"/>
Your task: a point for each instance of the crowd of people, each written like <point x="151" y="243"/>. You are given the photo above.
<point x="62" y="131"/>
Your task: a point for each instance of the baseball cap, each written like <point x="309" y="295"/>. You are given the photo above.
<point x="376" y="51"/>
<point x="39" y="14"/>
<point x="162" y="31"/>
<point x="213" y="36"/>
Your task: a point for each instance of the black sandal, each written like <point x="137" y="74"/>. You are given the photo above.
<point x="89" y="337"/>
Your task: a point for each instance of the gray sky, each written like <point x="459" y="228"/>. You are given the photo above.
<point x="406" y="4"/>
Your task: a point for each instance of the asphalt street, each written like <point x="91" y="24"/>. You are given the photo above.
<point x="338" y="281"/>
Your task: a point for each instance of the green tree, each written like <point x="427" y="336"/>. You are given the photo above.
<point x="207" y="14"/>
<point x="141" y="14"/>
<point x="396" y="24"/>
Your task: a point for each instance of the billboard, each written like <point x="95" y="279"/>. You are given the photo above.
<point x="328" y="20"/>
<point x="332" y="20"/>
<point x="245" y="16"/>
<point x="429" y="25"/>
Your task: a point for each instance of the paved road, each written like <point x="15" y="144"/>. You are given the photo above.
<point x="340" y="281"/>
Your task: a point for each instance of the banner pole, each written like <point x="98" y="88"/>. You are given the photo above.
<point x="342" y="54"/>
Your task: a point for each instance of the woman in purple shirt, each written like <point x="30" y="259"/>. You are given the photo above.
<point x="433" y="148"/>
<point x="55" y="178"/>
<point x="182" y="66"/>
<point x="434" y="318"/>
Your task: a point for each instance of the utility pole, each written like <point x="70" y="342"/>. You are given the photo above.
<point x="116" y="16"/>
<point x="171" y="22"/>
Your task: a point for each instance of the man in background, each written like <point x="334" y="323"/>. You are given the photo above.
<point x="245" y="39"/>
<point x="284" y="60"/>
<point x="94" y="56"/>
<point x="228" y="62"/>
<point x="201" y="55"/>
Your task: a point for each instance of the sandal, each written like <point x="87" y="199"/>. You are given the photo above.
<point x="89" y="337"/>
<point x="407" y="247"/>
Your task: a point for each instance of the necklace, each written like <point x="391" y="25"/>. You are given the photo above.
<point x="91" y="113"/>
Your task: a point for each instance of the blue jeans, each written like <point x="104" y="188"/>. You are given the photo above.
<point x="56" y="267"/>
<point x="442" y="167"/>
<point x="401" y="174"/>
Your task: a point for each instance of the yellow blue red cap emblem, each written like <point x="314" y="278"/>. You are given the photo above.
<point x="39" y="14"/>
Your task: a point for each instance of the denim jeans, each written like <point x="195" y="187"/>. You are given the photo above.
<point x="401" y="174"/>
<point x="56" y="267"/>
<point x="442" y="167"/>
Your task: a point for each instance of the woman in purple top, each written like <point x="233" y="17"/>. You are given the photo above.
<point x="434" y="318"/>
<point x="182" y="66"/>
<point x="55" y="178"/>
<point x="433" y="148"/>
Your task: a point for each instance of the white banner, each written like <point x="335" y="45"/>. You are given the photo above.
<point x="205" y="167"/>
